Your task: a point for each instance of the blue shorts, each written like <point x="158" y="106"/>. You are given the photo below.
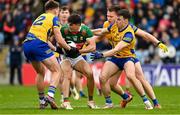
<point x="36" y="50"/>
<point x="121" y="61"/>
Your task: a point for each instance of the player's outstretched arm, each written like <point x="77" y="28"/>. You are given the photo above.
<point x="60" y="39"/>
<point x="99" y="55"/>
<point x="118" y="47"/>
<point x="91" y="47"/>
<point x="146" y="36"/>
<point x="100" y="31"/>
<point x="151" y="38"/>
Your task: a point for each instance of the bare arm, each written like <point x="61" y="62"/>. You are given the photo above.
<point x="98" y="38"/>
<point x="59" y="39"/>
<point x="146" y="36"/>
<point x="52" y="47"/>
<point x="90" y="48"/>
<point x="100" y="31"/>
<point x="118" y="47"/>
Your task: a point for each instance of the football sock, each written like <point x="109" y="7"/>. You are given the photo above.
<point x="41" y="95"/>
<point x="51" y="91"/>
<point x="124" y="96"/>
<point x="144" y="98"/>
<point x="155" y="101"/>
<point x="66" y="99"/>
<point x="81" y="93"/>
<point x="108" y="100"/>
<point x="90" y="98"/>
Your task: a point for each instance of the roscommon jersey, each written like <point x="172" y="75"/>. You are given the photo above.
<point x="43" y="25"/>
<point x="127" y="35"/>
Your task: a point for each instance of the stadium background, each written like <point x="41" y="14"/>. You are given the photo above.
<point x="158" y="17"/>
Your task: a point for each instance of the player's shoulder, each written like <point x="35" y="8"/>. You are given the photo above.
<point x="65" y="29"/>
<point x="133" y="27"/>
<point x="64" y="26"/>
<point x="106" y="24"/>
<point x="50" y="15"/>
<point x="84" y="27"/>
<point x="85" y="30"/>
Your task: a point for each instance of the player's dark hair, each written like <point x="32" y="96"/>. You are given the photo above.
<point x="64" y="8"/>
<point x="125" y="13"/>
<point x="74" y="19"/>
<point x="114" y="8"/>
<point x="51" y="4"/>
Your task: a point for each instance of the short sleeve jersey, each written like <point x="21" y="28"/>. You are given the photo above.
<point x="79" y="38"/>
<point x="43" y="25"/>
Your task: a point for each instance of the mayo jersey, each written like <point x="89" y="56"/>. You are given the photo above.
<point x="79" y="38"/>
<point x="43" y="25"/>
<point x="127" y="35"/>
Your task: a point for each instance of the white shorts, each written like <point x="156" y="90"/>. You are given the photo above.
<point x="74" y="61"/>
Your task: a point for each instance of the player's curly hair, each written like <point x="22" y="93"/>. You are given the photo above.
<point x="51" y="4"/>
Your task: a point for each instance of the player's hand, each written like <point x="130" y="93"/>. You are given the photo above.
<point x="73" y="52"/>
<point x="59" y="50"/>
<point x="162" y="47"/>
<point x="96" y="55"/>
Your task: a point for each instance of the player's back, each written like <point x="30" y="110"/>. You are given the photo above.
<point x="42" y="26"/>
<point x="35" y="45"/>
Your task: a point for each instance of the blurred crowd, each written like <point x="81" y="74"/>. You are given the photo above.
<point x="158" y="17"/>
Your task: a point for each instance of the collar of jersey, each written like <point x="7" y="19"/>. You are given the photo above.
<point x="123" y="28"/>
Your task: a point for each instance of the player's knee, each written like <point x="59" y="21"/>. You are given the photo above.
<point x="55" y="69"/>
<point x="131" y="76"/>
<point x="102" y="79"/>
<point x="112" y="83"/>
<point x="141" y="79"/>
<point x="67" y="73"/>
<point x="41" y="73"/>
<point x="89" y="73"/>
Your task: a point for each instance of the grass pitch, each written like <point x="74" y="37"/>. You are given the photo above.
<point x="24" y="100"/>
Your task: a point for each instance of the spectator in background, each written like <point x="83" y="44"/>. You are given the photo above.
<point x="15" y="61"/>
<point x="164" y="23"/>
<point x="28" y="17"/>
<point x="175" y="40"/>
<point x="8" y="28"/>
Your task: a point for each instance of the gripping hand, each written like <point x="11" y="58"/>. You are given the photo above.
<point x="163" y="47"/>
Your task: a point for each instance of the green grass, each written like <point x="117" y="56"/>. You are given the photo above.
<point x="24" y="100"/>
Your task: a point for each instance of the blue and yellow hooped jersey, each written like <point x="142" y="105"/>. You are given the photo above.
<point x="43" y="25"/>
<point x="127" y="35"/>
